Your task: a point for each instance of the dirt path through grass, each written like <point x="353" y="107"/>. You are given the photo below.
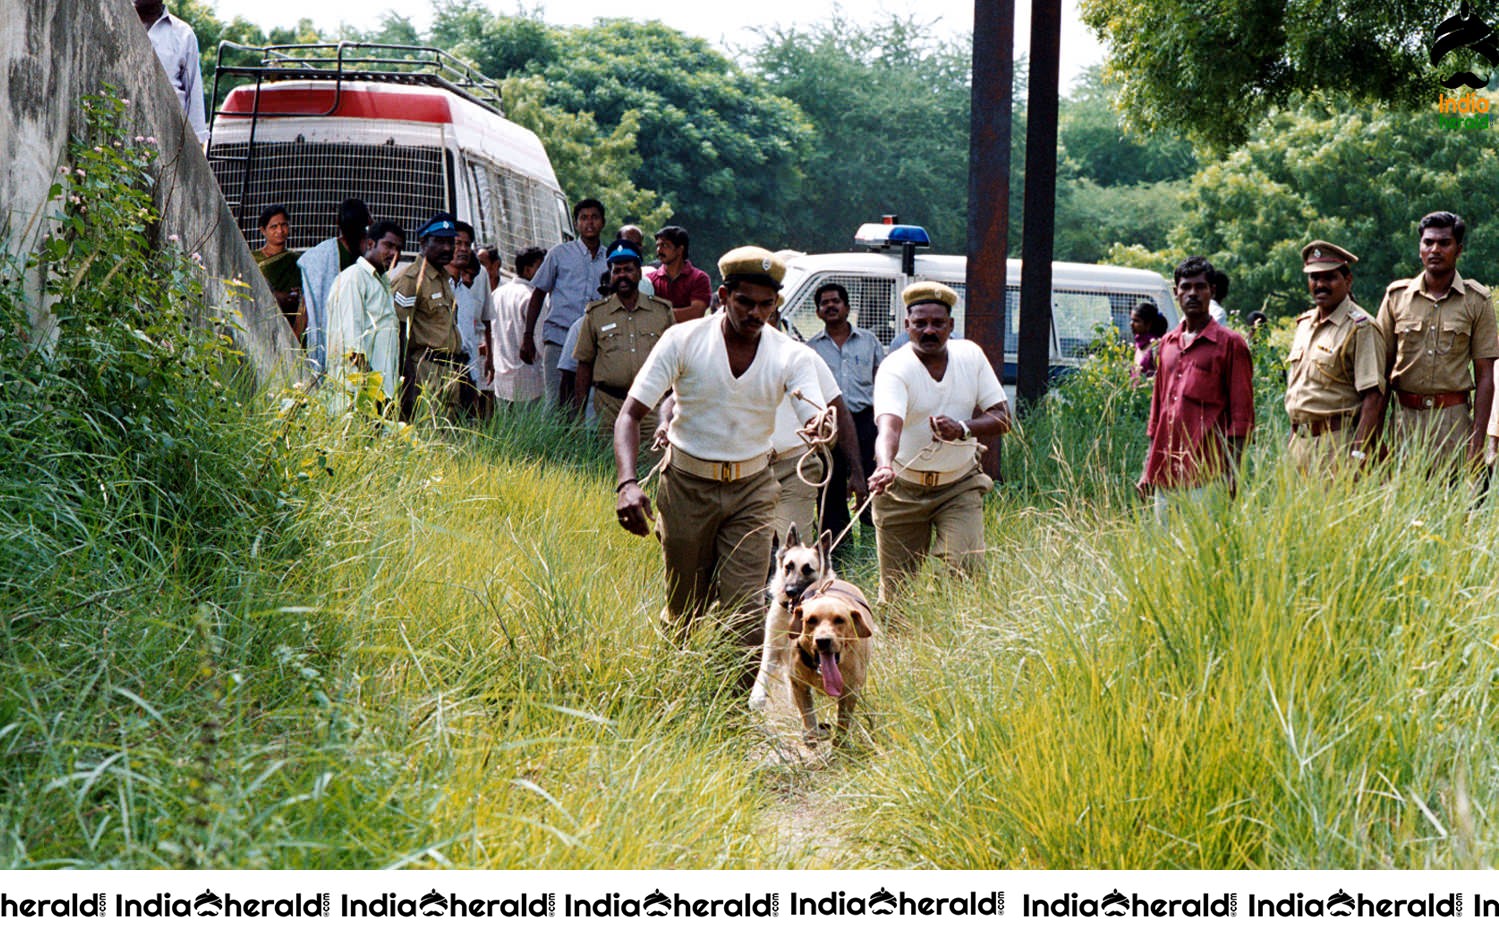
<point x="805" y="819"/>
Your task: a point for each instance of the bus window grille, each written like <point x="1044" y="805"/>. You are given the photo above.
<point x="404" y="184"/>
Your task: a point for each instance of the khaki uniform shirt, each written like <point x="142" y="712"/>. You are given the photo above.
<point x="1430" y="342"/>
<point x="1333" y="360"/>
<point x="617" y="341"/>
<point x="424" y="298"/>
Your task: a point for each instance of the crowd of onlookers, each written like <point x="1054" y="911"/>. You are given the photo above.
<point x="567" y="328"/>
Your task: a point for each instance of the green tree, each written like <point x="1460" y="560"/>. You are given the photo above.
<point x="587" y="158"/>
<point x="1114" y="185"/>
<point x="1359" y="177"/>
<point x="1096" y="144"/>
<point x="724" y="150"/>
<point x="1092" y="219"/>
<point x="1214" y="70"/>
<point x="717" y="146"/>
<point x="211" y="30"/>
<point x="889" y="107"/>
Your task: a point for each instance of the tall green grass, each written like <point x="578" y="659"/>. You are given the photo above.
<point x="1301" y="678"/>
<point x="238" y="632"/>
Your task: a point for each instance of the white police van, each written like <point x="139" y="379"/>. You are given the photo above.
<point x="411" y="130"/>
<point x="1083" y="295"/>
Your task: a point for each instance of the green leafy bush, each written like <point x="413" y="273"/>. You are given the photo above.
<point x="142" y="529"/>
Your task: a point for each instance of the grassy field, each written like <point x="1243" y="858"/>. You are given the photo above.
<point x="448" y="657"/>
<point x="238" y="633"/>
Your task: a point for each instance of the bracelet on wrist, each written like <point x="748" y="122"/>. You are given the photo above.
<point x="621" y="485"/>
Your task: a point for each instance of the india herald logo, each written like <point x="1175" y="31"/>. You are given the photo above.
<point x="1464" y="30"/>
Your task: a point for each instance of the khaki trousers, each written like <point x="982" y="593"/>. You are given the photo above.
<point x="1326" y="454"/>
<point x="607" y="409"/>
<point x="1444" y="432"/>
<point x="715" y="536"/>
<point x="435" y="377"/>
<point x="798" y="500"/>
<point x="911" y="520"/>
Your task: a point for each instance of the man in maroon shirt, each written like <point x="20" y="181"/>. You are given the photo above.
<point x="1202" y="408"/>
<point x="676" y="280"/>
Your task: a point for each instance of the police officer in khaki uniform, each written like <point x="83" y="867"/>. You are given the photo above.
<point x="1440" y="344"/>
<point x="1335" y="371"/>
<point x="717" y="493"/>
<point x="431" y="349"/>
<point x="931" y="397"/>
<point x="617" y="335"/>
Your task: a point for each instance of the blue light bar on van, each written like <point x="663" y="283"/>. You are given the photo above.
<point x="892" y="235"/>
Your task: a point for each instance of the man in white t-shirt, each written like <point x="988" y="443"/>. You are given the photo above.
<point x="931" y="397"/>
<point x="717" y="492"/>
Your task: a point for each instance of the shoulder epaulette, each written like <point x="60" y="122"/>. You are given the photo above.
<point x="1397" y="285"/>
<point x="1359" y="314"/>
<point x="1477" y="287"/>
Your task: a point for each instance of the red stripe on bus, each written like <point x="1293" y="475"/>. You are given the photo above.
<point x="371" y="105"/>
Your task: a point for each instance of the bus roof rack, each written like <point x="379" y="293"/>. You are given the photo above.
<point x="359" y="61"/>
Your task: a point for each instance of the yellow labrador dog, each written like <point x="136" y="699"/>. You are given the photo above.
<point x="832" y="646"/>
<point x="832" y="633"/>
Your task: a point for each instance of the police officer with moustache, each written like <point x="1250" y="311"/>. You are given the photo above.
<point x="431" y="348"/>
<point x="1335" y="371"/>
<point x="931" y="397"/>
<point x="617" y="334"/>
<point x="1441" y="340"/>
<point x="717" y="493"/>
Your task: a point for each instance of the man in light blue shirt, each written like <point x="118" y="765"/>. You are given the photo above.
<point x="176" y="46"/>
<point x="570" y="275"/>
<point x="853" y="355"/>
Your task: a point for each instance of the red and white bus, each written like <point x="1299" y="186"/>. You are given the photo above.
<point x="410" y="130"/>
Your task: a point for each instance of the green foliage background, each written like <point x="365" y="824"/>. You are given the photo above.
<point x="791" y="143"/>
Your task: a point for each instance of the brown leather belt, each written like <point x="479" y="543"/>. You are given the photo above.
<point x="1322" y="426"/>
<point x="619" y="393"/>
<point x="1431" y="400"/>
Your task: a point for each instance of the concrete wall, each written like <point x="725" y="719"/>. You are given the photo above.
<point x="52" y="54"/>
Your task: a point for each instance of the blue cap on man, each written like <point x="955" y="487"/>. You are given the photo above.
<point x="623" y="249"/>
<point x="441" y="224"/>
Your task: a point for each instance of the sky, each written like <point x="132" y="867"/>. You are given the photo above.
<point x="726" y="25"/>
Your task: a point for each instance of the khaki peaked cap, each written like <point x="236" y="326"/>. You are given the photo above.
<point x="928" y="291"/>
<point x="1320" y="256"/>
<point x="752" y="261"/>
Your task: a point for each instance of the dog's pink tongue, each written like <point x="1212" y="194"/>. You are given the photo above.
<point x="832" y="680"/>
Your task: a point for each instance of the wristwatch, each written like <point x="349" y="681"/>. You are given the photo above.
<point x="1356" y="454"/>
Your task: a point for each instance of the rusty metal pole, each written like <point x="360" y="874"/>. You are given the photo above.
<point x="1038" y="222"/>
<point x="989" y="185"/>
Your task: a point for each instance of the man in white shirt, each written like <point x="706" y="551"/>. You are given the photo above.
<point x="363" y="332"/>
<point x="176" y="47"/>
<point x="321" y="265"/>
<point x="717" y="492"/>
<point x="931" y="397"/>
<point x="515" y="381"/>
